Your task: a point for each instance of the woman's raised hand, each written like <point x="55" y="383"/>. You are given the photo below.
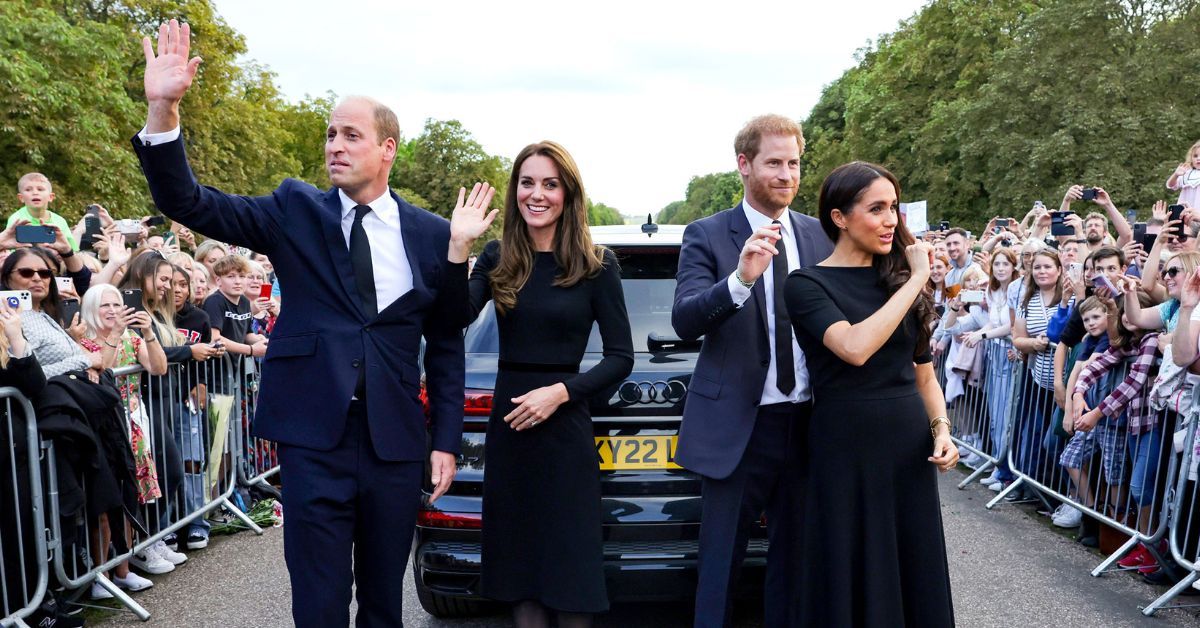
<point x="1189" y="293"/>
<point x="472" y="216"/>
<point x="920" y="258"/>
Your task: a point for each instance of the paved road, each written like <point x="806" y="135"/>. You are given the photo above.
<point x="1007" y="567"/>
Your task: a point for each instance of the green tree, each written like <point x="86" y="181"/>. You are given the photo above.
<point x="706" y="195"/>
<point x="601" y="214"/>
<point x="445" y="158"/>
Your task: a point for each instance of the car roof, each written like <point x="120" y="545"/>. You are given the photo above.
<point x="632" y="235"/>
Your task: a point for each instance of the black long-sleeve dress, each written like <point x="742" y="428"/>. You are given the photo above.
<point x="872" y="551"/>
<point x="541" y="493"/>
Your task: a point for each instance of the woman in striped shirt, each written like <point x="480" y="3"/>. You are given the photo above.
<point x="1036" y="400"/>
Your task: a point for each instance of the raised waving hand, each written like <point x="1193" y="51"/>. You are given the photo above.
<point x="169" y="74"/>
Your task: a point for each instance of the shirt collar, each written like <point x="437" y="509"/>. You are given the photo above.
<point x="384" y="207"/>
<point x="964" y="265"/>
<point x="759" y="220"/>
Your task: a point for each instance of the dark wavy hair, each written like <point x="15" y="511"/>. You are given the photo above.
<point x="842" y="190"/>
<point x="52" y="304"/>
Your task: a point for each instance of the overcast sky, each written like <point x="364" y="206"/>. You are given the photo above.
<point x="645" y="94"/>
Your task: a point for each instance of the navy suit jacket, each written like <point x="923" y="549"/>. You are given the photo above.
<point x="723" y="396"/>
<point x="323" y="337"/>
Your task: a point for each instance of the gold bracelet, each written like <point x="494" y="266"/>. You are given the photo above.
<point x="934" y="423"/>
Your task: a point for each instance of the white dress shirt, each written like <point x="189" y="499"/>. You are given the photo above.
<point x="740" y="294"/>
<point x="389" y="263"/>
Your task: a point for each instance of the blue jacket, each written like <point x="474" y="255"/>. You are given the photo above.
<point x="323" y="337"/>
<point x="723" y="395"/>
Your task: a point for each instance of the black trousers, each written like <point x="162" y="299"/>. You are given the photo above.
<point x="768" y="478"/>
<point x="349" y="520"/>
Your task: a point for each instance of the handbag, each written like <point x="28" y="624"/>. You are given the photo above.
<point x="1174" y="387"/>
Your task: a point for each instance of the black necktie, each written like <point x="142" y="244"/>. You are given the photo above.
<point x="785" y="362"/>
<point x="360" y="259"/>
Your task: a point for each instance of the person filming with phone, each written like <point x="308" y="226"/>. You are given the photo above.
<point x="1095" y="225"/>
<point x="35" y="193"/>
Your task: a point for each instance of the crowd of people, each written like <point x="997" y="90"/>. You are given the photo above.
<point x="1073" y="332"/>
<point x="106" y="294"/>
<point x="1041" y="337"/>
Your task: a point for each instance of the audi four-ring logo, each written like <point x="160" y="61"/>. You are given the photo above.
<point x="652" y="392"/>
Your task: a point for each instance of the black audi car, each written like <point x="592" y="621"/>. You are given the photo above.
<point x="651" y="505"/>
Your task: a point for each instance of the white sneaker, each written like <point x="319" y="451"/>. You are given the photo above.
<point x="168" y="554"/>
<point x="1069" y="517"/>
<point x="996" y="486"/>
<point x="150" y="562"/>
<point x="132" y="582"/>
<point x="99" y="593"/>
<point x="973" y="460"/>
<point x="991" y="479"/>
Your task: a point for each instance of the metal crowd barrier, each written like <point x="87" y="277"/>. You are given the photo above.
<point x="24" y="569"/>
<point x="192" y="421"/>
<point x="1184" y="527"/>
<point x="979" y="402"/>
<point x="1132" y="482"/>
<point x="259" y="457"/>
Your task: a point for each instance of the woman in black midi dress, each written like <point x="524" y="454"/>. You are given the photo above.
<point x="872" y="552"/>
<point x="542" y="546"/>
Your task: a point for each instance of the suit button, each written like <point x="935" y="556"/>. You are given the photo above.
<point x="766" y="363"/>
<point x="355" y="363"/>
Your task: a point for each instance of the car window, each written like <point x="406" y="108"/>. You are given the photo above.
<point x="648" y="280"/>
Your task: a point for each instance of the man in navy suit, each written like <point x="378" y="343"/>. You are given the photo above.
<point x="748" y="401"/>
<point x="367" y="276"/>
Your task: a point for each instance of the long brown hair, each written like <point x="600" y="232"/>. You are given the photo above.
<point x="574" y="252"/>
<point x="1031" y="285"/>
<point x="842" y="190"/>
<point x="142" y="273"/>
<point x="1011" y="256"/>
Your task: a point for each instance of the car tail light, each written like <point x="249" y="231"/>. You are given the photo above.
<point x="455" y="520"/>
<point x="477" y="402"/>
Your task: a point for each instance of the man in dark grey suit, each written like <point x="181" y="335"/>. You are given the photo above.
<point x="748" y="401"/>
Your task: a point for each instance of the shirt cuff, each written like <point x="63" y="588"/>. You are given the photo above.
<point x="737" y="291"/>
<point x="154" y="139"/>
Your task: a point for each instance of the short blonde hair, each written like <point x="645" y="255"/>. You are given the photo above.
<point x="33" y="176"/>
<point x="973" y="273"/>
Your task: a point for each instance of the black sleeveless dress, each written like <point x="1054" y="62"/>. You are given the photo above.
<point x="541" y="491"/>
<point x="872" y="551"/>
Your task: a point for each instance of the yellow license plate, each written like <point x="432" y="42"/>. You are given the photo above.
<point x="619" y="453"/>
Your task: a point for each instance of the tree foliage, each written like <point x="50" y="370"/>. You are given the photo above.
<point x="982" y="108"/>
<point x="601" y="214"/>
<point x="71" y="97"/>
<point x="706" y="195"/>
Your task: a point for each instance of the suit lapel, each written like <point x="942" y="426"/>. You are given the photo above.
<point x="414" y="245"/>
<point x="803" y="246"/>
<point x="739" y="231"/>
<point x="339" y="253"/>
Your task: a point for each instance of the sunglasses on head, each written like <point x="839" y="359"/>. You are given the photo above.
<point x="28" y="273"/>
<point x="1173" y="271"/>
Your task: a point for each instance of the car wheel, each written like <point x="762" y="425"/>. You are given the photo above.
<point x="446" y="606"/>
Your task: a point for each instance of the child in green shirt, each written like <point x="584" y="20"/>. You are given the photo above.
<point x="35" y="193"/>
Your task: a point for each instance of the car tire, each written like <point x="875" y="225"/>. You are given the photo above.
<point x="446" y="606"/>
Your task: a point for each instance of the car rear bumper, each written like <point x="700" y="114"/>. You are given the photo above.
<point x="634" y="570"/>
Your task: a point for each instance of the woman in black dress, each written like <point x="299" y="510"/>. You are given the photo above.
<point x="872" y="550"/>
<point x="542" y="548"/>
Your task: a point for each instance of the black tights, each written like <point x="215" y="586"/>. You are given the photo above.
<point x="530" y="614"/>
